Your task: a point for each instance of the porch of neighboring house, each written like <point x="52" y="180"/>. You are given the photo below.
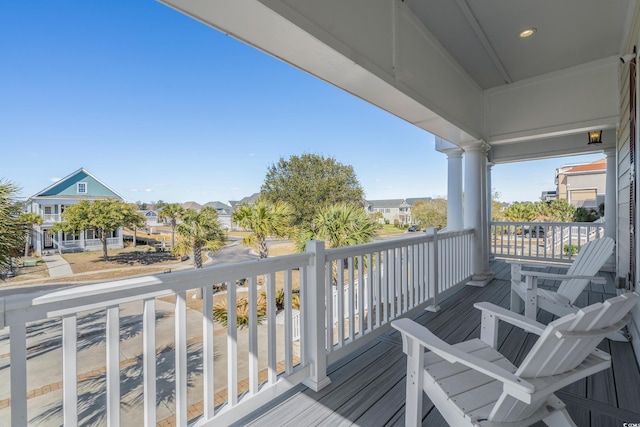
<point x="368" y="387"/>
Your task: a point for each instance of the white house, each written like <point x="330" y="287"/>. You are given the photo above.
<point x="50" y="204"/>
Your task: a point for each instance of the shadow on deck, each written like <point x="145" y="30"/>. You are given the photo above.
<point x="368" y="387"/>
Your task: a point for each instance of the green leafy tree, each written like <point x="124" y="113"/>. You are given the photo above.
<point x="521" y="212"/>
<point x="264" y="219"/>
<point x="134" y="220"/>
<point x="172" y="212"/>
<point x="430" y="213"/>
<point x="341" y="224"/>
<point x="199" y="230"/>
<point x="12" y="229"/>
<point x="309" y="181"/>
<point x="29" y="220"/>
<point x="105" y="216"/>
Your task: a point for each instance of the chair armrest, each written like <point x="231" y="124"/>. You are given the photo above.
<point x="560" y="277"/>
<point x="421" y="335"/>
<point x="537" y="264"/>
<point x="508" y="316"/>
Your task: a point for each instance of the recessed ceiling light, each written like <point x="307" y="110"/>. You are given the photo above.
<point x="528" y="33"/>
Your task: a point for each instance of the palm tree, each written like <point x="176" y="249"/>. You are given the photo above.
<point x="338" y="225"/>
<point x="29" y="220"/>
<point x="172" y="212"/>
<point x="264" y="219"/>
<point x="11" y="229"/>
<point x="199" y="230"/>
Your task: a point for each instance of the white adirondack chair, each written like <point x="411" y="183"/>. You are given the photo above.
<point x="589" y="261"/>
<point x="471" y="383"/>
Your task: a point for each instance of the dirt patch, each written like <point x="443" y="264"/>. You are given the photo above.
<point x="140" y="256"/>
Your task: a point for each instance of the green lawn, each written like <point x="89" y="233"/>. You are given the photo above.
<point x="390" y="229"/>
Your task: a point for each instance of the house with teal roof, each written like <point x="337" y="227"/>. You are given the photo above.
<point x="51" y="203"/>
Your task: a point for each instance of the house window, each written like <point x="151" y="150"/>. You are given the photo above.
<point x="82" y="188"/>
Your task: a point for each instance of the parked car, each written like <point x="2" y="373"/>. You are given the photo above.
<point x="413" y="228"/>
<point x="535" y="231"/>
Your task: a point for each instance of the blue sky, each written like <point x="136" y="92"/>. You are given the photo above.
<point x="161" y="107"/>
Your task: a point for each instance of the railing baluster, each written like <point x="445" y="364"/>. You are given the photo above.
<point x="361" y="295"/>
<point x="369" y="292"/>
<point x="288" y="323"/>
<point x="351" y="298"/>
<point x="253" y="335"/>
<point x="339" y="290"/>
<point x="18" y="361"/>
<point x="232" y="346"/>
<point x="331" y="305"/>
<point x="69" y="370"/>
<point x="208" y="352"/>
<point x="302" y="278"/>
<point x="181" y="357"/>
<point x="113" y="366"/>
<point x="271" y="326"/>
<point x="149" y="360"/>
<point x="378" y="258"/>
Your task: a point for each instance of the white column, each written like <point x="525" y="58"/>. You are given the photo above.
<point x="610" y="195"/>
<point x="454" y="190"/>
<point x="610" y="204"/>
<point x="488" y="210"/>
<point x="475" y="215"/>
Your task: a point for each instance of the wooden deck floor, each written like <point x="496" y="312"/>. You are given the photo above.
<point x="368" y="388"/>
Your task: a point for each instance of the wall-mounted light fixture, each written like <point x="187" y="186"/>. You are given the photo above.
<point x="595" y="137"/>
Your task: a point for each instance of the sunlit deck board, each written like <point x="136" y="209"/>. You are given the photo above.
<point x="367" y="388"/>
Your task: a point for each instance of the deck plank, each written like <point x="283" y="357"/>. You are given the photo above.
<point x="368" y="387"/>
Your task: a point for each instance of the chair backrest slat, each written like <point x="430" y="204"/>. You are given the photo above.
<point x="589" y="261"/>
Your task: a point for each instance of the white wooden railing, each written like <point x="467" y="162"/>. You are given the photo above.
<point x="241" y="368"/>
<point x="49" y="218"/>
<point x="557" y="241"/>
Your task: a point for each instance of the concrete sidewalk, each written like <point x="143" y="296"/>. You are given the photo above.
<point x="58" y="266"/>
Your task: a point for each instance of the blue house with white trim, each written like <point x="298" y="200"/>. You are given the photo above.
<point x="50" y="204"/>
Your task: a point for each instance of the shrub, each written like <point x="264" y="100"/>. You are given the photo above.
<point x="570" y="249"/>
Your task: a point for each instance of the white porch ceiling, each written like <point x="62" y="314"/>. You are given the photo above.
<point x="456" y="68"/>
<point x="483" y="38"/>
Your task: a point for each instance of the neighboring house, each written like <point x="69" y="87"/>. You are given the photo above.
<point x="394" y="209"/>
<point x="51" y="203"/>
<point x="549" y="196"/>
<point x="248" y="200"/>
<point x="192" y="205"/>
<point x="224" y="213"/>
<point x="582" y="185"/>
<point x="151" y="217"/>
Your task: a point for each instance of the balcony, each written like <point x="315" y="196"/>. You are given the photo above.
<point x="141" y="351"/>
<point x="51" y="218"/>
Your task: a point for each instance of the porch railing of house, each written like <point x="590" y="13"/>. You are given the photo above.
<point x="71" y="245"/>
<point x="548" y="241"/>
<point x="49" y="218"/>
<point x="393" y="278"/>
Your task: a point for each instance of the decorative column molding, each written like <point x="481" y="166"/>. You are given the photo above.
<point x="611" y="204"/>
<point x="475" y="210"/>
<point x="454" y="189"/>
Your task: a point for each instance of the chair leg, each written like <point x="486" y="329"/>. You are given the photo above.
<point x="559" y="418"/>
<point x="415" y="378"/>
<point x="516" y="302"/>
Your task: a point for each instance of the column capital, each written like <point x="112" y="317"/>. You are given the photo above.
<point x="610" y="152"/>
<point x="477" y="146"/>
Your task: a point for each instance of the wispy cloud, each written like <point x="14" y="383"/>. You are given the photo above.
<point x="55" y="179"/>
<point x="148" y="190"/>
<point x="134" y="190"/>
